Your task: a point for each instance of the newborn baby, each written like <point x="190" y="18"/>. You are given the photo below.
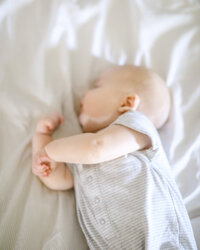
<point x="126" y="197"/>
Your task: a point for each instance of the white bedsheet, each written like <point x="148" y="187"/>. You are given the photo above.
<point x="50" y="52"/>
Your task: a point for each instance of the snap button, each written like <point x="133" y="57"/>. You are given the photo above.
<point x="102" y="221"/>
<point x="96" y="200"/>
<point x="89" y="179"/>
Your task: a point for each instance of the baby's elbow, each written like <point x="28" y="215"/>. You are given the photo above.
<point x="95" y="152"/>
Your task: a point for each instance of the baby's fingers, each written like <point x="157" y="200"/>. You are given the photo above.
<point x="43" y="173"/>
<point x="40" y="168"/>
<point x="43" y="160"/>
<point x="47" y="172"/>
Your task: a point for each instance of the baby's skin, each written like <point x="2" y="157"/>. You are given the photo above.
<point x="42" y="165"/>
<point x="118" y="90"/>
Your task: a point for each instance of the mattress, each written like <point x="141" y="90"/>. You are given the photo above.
<point x="51" y="51"/>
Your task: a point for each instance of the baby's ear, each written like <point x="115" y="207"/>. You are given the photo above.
<point x="131" y="102"/>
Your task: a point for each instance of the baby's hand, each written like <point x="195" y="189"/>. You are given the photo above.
<point x="42" y="164"/>
<point x="49" y="123"/>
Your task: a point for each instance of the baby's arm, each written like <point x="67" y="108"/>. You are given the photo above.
<point x="90" y="148"/>
<point x="57" y="176"/>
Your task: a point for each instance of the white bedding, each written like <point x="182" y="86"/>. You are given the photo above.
<point x="50" y="52"/>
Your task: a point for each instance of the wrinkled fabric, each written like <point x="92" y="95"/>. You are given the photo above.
<point x="50" y="53"/>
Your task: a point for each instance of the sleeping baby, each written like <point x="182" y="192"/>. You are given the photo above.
<point x="126" y="197"/>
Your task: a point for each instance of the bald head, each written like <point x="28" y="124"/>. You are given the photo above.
<point x="152" y="91"/>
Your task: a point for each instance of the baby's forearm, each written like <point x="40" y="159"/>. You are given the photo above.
<point x="82" y="148"/>
<point x="39" y="141"/>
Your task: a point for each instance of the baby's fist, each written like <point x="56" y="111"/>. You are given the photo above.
<point x="49" y="123"/>
<point x="42" y="164"/>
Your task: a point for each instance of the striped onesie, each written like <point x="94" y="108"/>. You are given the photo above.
<point x="132" y="202"/>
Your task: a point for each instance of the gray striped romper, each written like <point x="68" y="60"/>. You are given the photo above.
<point x="132" y="202"/>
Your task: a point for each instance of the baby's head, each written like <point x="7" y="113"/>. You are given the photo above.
<point x="121" y="89"/>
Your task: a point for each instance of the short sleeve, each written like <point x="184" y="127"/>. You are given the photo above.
<point x="140" y="123"/>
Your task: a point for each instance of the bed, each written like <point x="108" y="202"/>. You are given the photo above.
<point x="51" y="51"/>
